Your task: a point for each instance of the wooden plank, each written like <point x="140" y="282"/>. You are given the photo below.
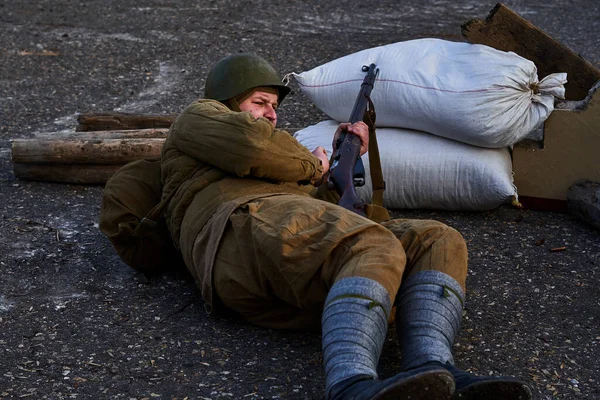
<point x="504" y="30"/>
<point x="84" y="174"/>
<point x="570" y="152"/>
<point x="107" y="121"/>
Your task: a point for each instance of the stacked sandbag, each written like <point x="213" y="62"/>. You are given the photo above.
<point x="447" y="113"/>
<point x="466" y="92"/>
<point x="423" y="171"/>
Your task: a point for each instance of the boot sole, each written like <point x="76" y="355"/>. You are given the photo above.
<point x="494" y="390"/>
<point x="427" y="385"/>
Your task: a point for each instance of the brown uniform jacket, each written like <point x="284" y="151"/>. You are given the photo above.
<point x="217" y="159"/>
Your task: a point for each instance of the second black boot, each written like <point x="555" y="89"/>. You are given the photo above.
<point x="474" y="387"/>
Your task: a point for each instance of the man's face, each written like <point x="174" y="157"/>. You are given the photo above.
<point x="261" y="104"/>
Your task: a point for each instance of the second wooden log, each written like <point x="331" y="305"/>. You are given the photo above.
<point x="114" y="121"/>
<point x="85" y="151"/>
<point x="154" y="133"/>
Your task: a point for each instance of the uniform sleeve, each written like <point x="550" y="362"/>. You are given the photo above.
<point x="240" y="144"/>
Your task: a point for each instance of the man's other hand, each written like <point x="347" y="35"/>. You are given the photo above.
<point x="321" y="154"/>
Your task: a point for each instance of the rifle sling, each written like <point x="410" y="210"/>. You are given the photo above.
<point x="374" y="159"/>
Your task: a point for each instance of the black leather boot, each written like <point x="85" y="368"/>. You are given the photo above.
<point x="473" y="387"/>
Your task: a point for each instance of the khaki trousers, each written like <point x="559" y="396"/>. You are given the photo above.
<point x="279" y="257"/>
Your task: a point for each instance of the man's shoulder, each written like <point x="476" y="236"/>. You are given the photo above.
<point x="205" y="105"/>
<point x="198" y="111"/>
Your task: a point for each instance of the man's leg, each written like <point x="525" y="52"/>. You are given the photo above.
<point x="429" y="308"/>
<point x="354" y="330"/>
<point x="304" y="258"/>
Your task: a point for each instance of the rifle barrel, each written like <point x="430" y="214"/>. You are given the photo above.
<point x="360" y="106"/>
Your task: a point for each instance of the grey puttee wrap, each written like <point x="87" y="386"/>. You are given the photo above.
<point x="429" y="312"/>
<point x="354" y="327"/>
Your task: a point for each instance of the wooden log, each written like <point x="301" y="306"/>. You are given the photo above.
<point x="156" y="133"/>
<point x="118" y="121"/>
<point x="505" y="30"/>
<point x="83" y="174"/>
<point x="105" y="151"/>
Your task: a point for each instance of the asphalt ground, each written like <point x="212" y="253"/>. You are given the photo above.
<point x="75" y="322"/>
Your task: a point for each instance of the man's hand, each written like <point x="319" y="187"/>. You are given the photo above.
<point x="321" y="154"/>
<point x="359" y="129"/>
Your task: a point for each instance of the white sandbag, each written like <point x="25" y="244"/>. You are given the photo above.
<point x="423" y="171"/>
<point x="467" y="92"/>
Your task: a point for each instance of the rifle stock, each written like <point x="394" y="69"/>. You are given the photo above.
<point x="347" y="170"/>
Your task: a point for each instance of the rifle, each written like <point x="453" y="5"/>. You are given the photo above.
<point x="347" y="170"/>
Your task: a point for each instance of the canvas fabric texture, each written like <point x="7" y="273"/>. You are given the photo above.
<point x="424" y="171"/>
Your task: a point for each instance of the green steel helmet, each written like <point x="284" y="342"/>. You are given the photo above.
<point x="235" y="74"/>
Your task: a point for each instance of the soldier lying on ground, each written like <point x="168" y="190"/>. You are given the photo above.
<point x="261" y="245"/>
